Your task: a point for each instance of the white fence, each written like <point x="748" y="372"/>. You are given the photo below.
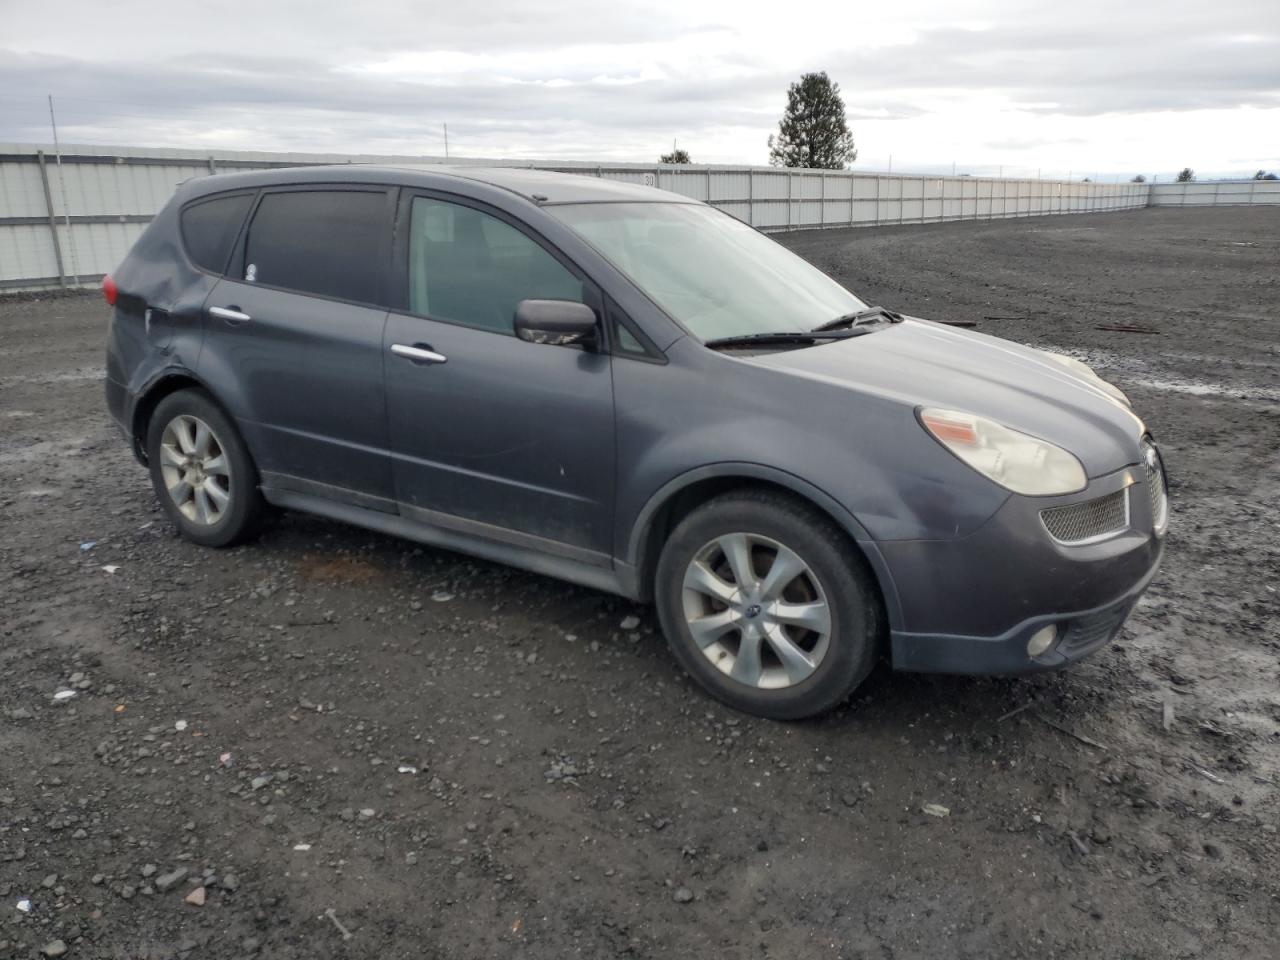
<point x="1215" y="193"/>
<point x="66" y="223"/>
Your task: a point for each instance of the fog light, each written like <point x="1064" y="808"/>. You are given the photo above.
<point x="1042" y="640"/>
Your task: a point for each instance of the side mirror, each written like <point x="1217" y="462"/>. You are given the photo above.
<point x="555" y="321"/>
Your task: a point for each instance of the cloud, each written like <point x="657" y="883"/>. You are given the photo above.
<point x="1077" y="71"/>
<point x="989" y="81"/>
<point x="294" y="97"/>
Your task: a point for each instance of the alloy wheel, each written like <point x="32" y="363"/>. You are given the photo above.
<point x="756" y="611"/>
<point x="196" y="470"/>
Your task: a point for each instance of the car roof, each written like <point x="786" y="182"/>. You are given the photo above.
<point x="539" y="186"/>
<point x="556" y="187"/>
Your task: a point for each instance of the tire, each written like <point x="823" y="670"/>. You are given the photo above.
<point x="829" y="613"/>
<point x="202" y="472"/>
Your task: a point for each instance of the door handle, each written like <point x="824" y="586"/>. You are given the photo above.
<point x="418" y="354"/>
<point x="229" y="314"/>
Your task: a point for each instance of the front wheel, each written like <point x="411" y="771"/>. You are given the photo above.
<point x="765" y="602"/>
<point x="202" y="471"/>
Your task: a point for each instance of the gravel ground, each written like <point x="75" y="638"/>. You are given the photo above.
<point x="335" y="744"/>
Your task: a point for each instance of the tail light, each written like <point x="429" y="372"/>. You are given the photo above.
<point x="109" y="291"/>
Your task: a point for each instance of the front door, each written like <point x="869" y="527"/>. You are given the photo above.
<point x="493" y="436"/>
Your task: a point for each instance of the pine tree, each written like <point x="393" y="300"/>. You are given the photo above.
<point x="813" y="132"/>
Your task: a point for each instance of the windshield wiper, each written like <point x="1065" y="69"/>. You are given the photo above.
<point x="782" y="337"/>
<point x="858" y="318"/>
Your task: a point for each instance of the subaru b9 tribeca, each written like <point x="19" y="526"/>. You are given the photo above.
<point x="633" y="391"/>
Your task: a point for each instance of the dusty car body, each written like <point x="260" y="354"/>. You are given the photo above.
<point x="550" y="371"/>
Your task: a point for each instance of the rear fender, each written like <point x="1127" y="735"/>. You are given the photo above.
<point x="147" y="394"/>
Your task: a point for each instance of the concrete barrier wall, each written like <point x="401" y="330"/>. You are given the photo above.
<point x="67" y="221"/>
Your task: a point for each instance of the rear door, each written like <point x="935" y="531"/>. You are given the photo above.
<point x="293" y="341"/>
<point x="496" y="437"/>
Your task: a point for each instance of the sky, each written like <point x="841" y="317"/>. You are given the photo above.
<point x="1082" y="88"/>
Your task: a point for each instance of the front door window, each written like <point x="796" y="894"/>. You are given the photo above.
<point x="468" y="267"/>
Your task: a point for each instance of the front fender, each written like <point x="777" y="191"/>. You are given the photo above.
<point x="644" y="520"/>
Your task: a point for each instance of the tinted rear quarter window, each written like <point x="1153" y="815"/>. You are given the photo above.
<point x="209" y="229"/>
<point x="323" y="242"/>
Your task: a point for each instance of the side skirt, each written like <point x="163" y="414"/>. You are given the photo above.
<point x="618" y="578"/>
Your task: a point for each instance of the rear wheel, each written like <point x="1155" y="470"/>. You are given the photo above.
<point x="764" y="601"/>
<point x="201" y="470"/>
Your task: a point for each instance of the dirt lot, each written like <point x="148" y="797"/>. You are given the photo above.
<point x="463" y="761"/>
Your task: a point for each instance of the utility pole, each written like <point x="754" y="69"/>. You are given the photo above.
<point x="446" y="141"/>
<point x="62" y="188"/>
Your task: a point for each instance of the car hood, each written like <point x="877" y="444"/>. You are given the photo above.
<point x="925" y="364"/>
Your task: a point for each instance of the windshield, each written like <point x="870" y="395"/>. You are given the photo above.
<point x="713" y="274"/>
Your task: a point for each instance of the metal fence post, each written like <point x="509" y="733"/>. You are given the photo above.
<point x="213" y="168"/>
<point x="53" y="220"/>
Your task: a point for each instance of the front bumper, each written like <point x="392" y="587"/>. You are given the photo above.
<point x="1079" y="634"/>
<point x="970" y="605"/>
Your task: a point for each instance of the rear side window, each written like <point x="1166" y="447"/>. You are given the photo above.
<point x="209" y="229"/>
<point x="323" y="242"/>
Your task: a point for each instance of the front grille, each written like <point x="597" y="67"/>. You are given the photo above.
<point x="1088" y="633"/>
<point x="1156" y="488"/>
<point x="1089" y="520"/>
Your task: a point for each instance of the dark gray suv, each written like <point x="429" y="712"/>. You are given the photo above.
<point x="631" y="390"/>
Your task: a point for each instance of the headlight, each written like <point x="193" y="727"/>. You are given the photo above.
<point x="1014" y="460"/>
<point x="1086" y="371"/>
